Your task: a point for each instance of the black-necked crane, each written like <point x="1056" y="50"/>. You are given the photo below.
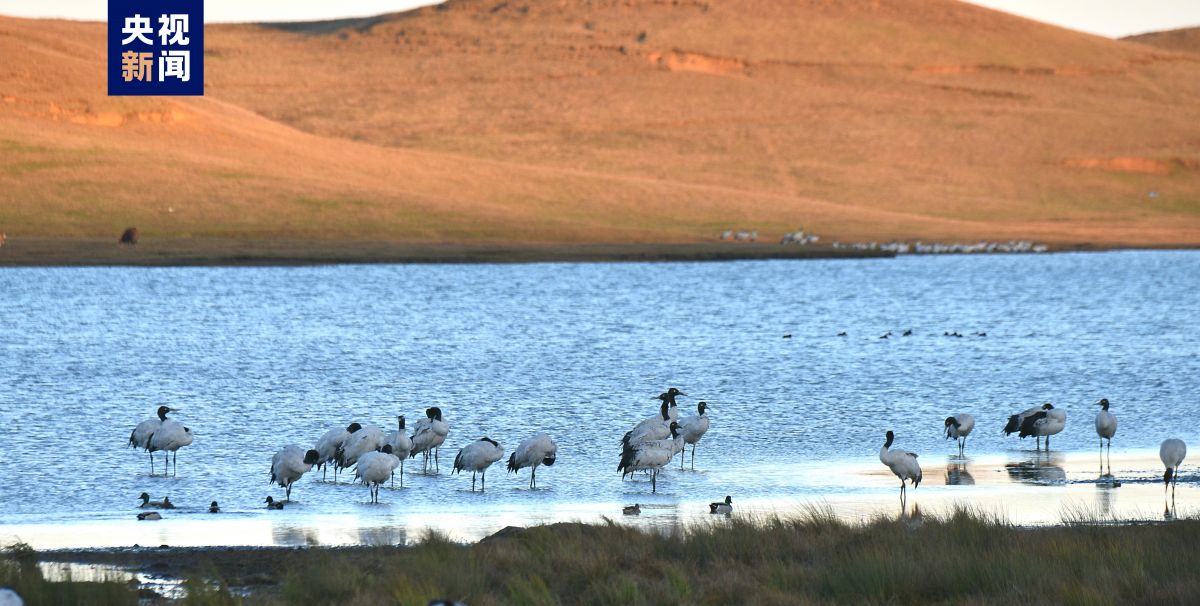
<point x="532" y="452"/>
<point x="651" y="456"/>
<point x="1044" y="423"/>
<point x="327" y="447"/>
<point x="140" y="437"/>
<point x="375" y="468"/>
<point x="693" y="429"/>
<point x="401" y="446"/>
<point x="289" y="465"/>
<point x="653" y="428"/>
<point x="169" y="438"/>
<point x="668" y="397"/>
<point x="1106" y="428"/>
<point x="476" y="457"/>
<point x="368" y="439"/>
<point x="959" y="427"/>
<point x="428" y="436"/>
<point x="1172" y="453"/>
<point x="902" y="463"/>
<point x="1015" y="421"/>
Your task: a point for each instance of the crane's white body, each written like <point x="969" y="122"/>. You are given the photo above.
<point x="428" y="436"/>
<point x="476" y="457"/>
<point x="1171" y="453"/>
<point x="289" y="465"/>
<point x="374" y="468"/>
<point x="368" y="439"/>
<point x="327" y="447"/>
<point x="693" y="429"/>
<point x="958" y="427"/>
<point x="532" y="452"/>
<point x="902" y="463"/>
<point x="169" y="438"/>
<point x="401" y="447"/>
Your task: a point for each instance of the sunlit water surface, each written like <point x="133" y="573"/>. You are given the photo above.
<point x="257" y="358"/>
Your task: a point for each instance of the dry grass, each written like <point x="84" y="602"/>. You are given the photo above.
<point x="551" y="123"/>
<point x="964" y="557"/>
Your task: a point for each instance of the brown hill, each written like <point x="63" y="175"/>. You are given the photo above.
<point x="625" y="121"/>
<point x="1184" y="40"/>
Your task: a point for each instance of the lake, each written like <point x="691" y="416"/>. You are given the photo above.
<point x="260" y="357"/>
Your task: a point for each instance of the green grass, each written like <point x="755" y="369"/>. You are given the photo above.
<point x="964" y="557"/>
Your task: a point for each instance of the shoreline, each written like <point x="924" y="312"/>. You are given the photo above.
<point x="216" y="252"/>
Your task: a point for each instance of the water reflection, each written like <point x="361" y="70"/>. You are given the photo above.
<point x="381" y="536"/>
<point x="1039" y="470"/>
<point x="1106" y="495"/>
<point x="957" y="473"/>
<point x="290" y="535"/>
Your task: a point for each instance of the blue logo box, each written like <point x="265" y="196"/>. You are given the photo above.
<point x="155" y="47"/>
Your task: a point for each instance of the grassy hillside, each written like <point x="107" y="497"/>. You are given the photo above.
<point x="613" y="122"/>
<point x="1184" y="40"/>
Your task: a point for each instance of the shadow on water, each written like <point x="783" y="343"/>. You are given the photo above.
<point x="1041" y="469"/>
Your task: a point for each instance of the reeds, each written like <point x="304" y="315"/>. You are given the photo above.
<point x="962" y="556"/>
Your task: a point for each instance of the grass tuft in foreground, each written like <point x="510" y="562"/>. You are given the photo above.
<point x="964" y="556"/>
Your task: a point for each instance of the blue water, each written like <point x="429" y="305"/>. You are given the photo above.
<point x="257" y="358"/>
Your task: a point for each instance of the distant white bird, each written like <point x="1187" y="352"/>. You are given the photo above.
<point x="650" y="455"/>
<point x="1044" y="423"/>
<point x="693" y="429"/>
<point x="477" y="457"/>
<point x="289" y="465"/>
<point x="327" y="447"/>
<point x="428" y="436"/>
<point x="140" y="438"/>
<point x="401" y="446"/>
<point x="725" y="507"/>
<point x="531" y="452"/>
<point x="1172" y="453"/>
<point x="375" y="468"/>
<point x="367" y="439"/>
<point x="169" y="438"/>
<point x="959" y="427"/>
<point x="1106" y="424"/>
<point x="902" y="463"/>
<point x="163" y="504"/>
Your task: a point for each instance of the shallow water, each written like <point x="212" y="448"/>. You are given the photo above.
<point x="257" y="358"/>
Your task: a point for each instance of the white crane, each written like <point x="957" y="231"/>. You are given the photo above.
<point x="725" y="507"/>
<point x="367" y="439"/>
<point x="650" y="455"/>
<point x="169" y="438"/>
<point x="428" y="435"/>
<point x="1044" y="423"/>
<point x="1106" y="427"/>
<point x="902" y="463"/>
<point x="375" y="468"/>
<point x="140" y="437"/>
<point x="477" y="457"/>
<point x="693" y="429"/>
<point x="327" y="447"/>
<point x="531" y="452"/>
<point x="959" y="427"/>
<point x="401" y="446"/>
<point x="289" y="465"/>
<point x="1172" y="453"/>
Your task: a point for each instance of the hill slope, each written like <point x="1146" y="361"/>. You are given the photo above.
<point x="614" y="122"/>
<point x="1184" y="40"/>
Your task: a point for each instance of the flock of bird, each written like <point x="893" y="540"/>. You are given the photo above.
<point x="648" y="447"/>
<point x="1040" y="422"/>
<point x="375" y="455"/>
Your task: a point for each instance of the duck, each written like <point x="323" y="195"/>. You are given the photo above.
<point x="272" y="503"/>
<point x="632" y="510"/>
<point x="163" y="504"/>
<point x="214" y="508"/>
<point x="725" y="507"/>
<point x="149" y="515"/>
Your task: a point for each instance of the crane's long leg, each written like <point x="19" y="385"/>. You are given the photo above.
<point x="472" y="481"/>
<point x="151" y="462"/>
<point x="483" y="480"/>
<point x="401" y="473"/>
<point x="693" y="457"/>
<point x="533" y="478"/>
<point x="654" y="481"/>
